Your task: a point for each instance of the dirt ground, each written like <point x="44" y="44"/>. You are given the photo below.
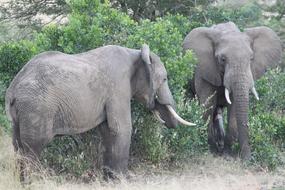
<point x="205" y="173"/>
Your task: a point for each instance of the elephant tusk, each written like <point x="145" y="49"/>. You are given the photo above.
<point x="157" y="116"/>
<point x="176" y="116"/>
<point x="227" y="94"/>
<point x="253" y="90"/>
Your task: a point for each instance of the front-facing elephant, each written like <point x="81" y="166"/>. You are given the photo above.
<point x="229" y="61"/>
<point x="61" y="94"/>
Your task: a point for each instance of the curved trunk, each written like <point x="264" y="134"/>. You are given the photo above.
<point x="241" y="100"/>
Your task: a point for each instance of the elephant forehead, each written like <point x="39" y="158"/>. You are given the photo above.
<point x="160" y="70"/>
<point x="239" y="44"/>
<point x="236" y="38"/>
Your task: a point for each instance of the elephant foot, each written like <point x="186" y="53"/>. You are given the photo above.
<point x="110" y="175"/>
<point x="245" y="154"/>
<point x="215" y="150"/>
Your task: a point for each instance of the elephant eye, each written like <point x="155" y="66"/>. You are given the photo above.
<point x="222" y="59"/>
<point x="165" y="79"/>
<point x="251" y="57"/>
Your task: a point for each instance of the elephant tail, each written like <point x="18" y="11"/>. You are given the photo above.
<point x="11" y="112"/>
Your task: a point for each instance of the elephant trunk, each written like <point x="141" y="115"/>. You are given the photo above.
<point x="241" y="99"/>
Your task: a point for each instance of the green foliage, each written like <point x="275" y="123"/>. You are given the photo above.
<point x="184" y="141"/>
<point x="74" y="154"/>
<point x="163" y="35"/>
<point x="13" y="56"/>
<point x="147" y="139"/>
<point x="241" y="16"/>
<point x="265" y="134"/>
<point x="4" y="123"/>
<point x="271" y="92"/>
<point x="153" y="142"/>
<point x="267" y="129"/>
<point x="145" y="9"/>
<point x="92" y="24"/>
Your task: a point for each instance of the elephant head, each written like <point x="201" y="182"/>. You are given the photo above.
<point x="233" y="59"/>
<point x="153" y="91"/>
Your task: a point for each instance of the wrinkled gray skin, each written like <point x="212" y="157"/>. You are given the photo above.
<point x="231" y="59"/>
<point x="60" y="94"/>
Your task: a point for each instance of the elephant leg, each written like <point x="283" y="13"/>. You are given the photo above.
<point x="30" y="154"/>
<point x="29" y="143"/>
<point x="207" y="96"/>
<point x="232" y="130"/>
<point x="116" y="134"/>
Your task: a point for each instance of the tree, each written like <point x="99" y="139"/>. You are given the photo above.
<point x="31" y="12"/>
<point x="151" y="9"/>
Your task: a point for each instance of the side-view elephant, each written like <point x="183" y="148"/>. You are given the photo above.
<point x="61" y="94"/>
<point x="229" y="61"/>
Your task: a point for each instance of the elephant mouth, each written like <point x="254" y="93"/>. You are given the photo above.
<point x="173" y="113"/>
<point x="227" y="94"/>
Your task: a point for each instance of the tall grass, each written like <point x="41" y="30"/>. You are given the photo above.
<point x="200" y="173"/>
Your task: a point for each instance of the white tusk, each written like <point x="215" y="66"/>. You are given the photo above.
<point x="176" y="116"/>
<point x="227" y="94"/>
<point x="253" y="90"/>
<point x="157" y="116"/>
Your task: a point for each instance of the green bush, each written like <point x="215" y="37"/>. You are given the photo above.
<point x="13" y="56"/>
<point x="246" y="15"/>
<point x="4" y="123"/>
<point x="184" y="141"/>
<point x="74" y="154"/>
<point x="147" y="138"/>
<point x="92" y="24"/>
<point x="267" y="128"/>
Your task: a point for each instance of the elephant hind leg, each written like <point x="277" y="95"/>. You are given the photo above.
<point x="29" y="146"/>
<point x="29" y="156"/>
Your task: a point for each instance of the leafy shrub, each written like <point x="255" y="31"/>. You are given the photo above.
<point x="92" y="24"/>
<point x="4" y="123"/>
<point x="165" y="40"/>
<point x="267" y="129"/>
<point x="263" y="132"/>
<point x="147" y="138"/>
<point x="184" y="141"/>
<point x="74" y="154"/>
<point x="13" y="56"/>
<point x="245" y="15"/>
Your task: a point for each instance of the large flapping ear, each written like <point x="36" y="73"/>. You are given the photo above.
<point x="145" y="55"/>
<point x="201" y="41"/>
<point x="267" y="50"/>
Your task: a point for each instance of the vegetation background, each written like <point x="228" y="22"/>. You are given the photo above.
<point x="73" y="26"/>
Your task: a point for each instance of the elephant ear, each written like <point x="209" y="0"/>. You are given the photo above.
<point x="267" y="50"/>
<point x="145" y="55"/>
<point x="201" y="41"/>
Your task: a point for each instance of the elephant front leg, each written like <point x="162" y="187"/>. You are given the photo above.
<point x="116" y="134"/>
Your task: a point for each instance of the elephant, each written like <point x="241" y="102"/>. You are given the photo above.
<point x="229" y="61"/>
<point x="62" y="94"/>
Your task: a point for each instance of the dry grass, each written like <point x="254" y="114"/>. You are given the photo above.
<point x="205" y="173"/>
